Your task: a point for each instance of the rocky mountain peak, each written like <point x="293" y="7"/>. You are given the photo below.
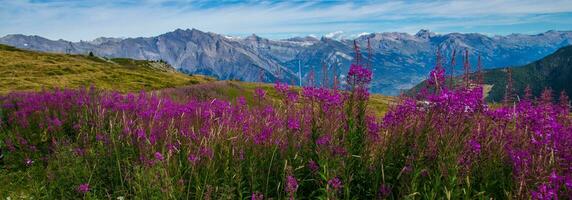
<point x="102" y="40"/>
<point x="424" y="33"/>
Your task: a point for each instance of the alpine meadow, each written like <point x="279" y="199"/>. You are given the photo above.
<point x="200" y="115"/>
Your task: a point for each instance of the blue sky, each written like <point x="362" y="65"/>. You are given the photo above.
<point x="88" y="19"/>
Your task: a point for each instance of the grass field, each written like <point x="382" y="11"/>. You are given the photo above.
<point x="27" y="70"/>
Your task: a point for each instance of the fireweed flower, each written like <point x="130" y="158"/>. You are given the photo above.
<point x="56" y="122"/>
<point x="159" y="156"/>
<point x="292" y="96"/>
<point x="9" y="145"/>
<point x="313" y="166"/>
<point x="206" y="152"/>
<point x="241" y="101"/>
<point x="359" y="76"/>
<point x="291" y="185"/>
<point x="293" y="123"/>
<point x="263" y="136"/>
<point x="281" y="87"/>
<point x="79" y="151"/>
<point x="260" y="93"/>
<point x="568" y="182"/>
<point x="358" y="80"/>
<point x="335" y="183"/>
<point x="324" y="140"/>
<point x="83" y="188"/>
<point x="437" y="76"/>
<point x="193" y="159"/>
<point x="545" y="192"/>
<point x="339" y="151"/>
<point x="257" y="196"/>
<point x="384" y="191"/>
<point x="373" y="128"/>
<point x="474" y="146"/>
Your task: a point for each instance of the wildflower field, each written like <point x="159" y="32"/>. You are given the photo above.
<point x="316" y="143"/>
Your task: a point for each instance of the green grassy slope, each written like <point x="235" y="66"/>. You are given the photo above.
<point x="553" y="71"/>
<point x="27" y="70"/>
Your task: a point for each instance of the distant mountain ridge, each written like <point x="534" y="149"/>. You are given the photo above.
<point x="399" y="60"/>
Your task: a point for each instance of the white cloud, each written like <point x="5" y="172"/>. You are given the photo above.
<point x="361" y="34"/>
<point x="86" y="20"/>
<point x="337" y="35"/>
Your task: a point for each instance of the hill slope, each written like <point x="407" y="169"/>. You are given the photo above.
<point x="553" y="71"/>
<point x="27" y="70"/>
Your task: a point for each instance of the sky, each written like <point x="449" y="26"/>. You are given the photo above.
<point x="76" y="20"/>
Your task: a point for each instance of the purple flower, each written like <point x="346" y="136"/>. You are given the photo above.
<point x="335" y="183"/>
<point x="475" y="146"/>
<point x="437" y="75"/>
<point x="281" y="87"/>
<point x="77" y="126"/>
<point x="241" y="101"/>
<point x="79" y="151"/>
<point x="313" y="166"/>
<point x="292" y="96"/>
<point x="263" y="136"/>
<point x="193" y="159"/>
<point x="568" y="183"/>
<point x="339" y="151"/>
<point x="159" y="156"/>
<point x="206" y="152"/>
<point x="384" y="191"/>
<point x="324" y="140"/>
<point x="140" y="133"/>
<point x="372" y="127"/>
<point x="100" y="137"/>
<point x="291" y="185"/>
<point x="293" y="124"/>
<point x="358" y="75"/>
<point x="544" y="192"/>
<point x="83" y="188"/>
<point x="56" y="122"/>
<point x="260" y="93"/>
<point x="257" y="196"/>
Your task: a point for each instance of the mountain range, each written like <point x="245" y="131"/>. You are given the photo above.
<point x="399" y="60"/>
